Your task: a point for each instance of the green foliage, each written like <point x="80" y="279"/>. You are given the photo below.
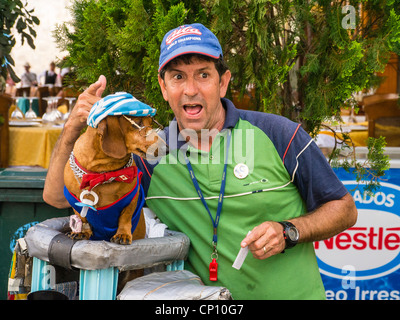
<point x="298" y="56"/>
<point x="336" y="62"/>
<point x="371" y="170"/>
<point x="13" y="14"/>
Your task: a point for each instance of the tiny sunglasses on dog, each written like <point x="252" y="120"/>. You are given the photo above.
<point x="145" y="131"/>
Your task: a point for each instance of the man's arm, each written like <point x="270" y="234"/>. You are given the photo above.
<point x="328" y="220"/>
<point x="54" y="184"/>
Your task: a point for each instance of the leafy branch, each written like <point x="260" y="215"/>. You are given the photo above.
<point x="13" y="13"/>
<point x="369" y="171"/>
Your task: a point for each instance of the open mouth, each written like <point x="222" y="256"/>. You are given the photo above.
<point x="193" y="109"/>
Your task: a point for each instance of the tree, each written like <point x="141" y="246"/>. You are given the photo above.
<point x="304" y="58"/>
<point x="13" y="13"/>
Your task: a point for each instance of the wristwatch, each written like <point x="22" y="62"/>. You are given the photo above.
<point x="290" y="234"/>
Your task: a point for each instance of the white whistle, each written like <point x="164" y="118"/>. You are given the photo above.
<point x="87" y="203"/>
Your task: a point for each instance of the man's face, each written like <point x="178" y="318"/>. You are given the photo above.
<point x="193" y="92"/>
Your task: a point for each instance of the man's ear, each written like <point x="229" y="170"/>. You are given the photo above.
<point x="161" y="82"/>
<point x="224" y="82"/>
<point x="112" y="140"/>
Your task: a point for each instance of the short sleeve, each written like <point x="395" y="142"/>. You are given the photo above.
<point x="311" y="172"/>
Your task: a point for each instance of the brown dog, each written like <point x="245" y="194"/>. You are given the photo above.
<point x="106" y="149"/>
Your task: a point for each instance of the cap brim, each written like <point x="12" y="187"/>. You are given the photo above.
<point x="213" y="53"/>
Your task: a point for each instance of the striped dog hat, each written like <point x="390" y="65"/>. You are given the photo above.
<point x="120" y="103"/>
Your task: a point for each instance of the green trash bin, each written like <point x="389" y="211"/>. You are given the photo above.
<point x="21" y="206"/>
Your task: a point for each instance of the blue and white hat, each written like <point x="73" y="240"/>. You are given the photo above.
<point x="120" y="103"/>
<point x="192" y="38"/>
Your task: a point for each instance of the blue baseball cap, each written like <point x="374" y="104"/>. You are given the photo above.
<point x="120" y="103"/>
<point x="191" y="38"/>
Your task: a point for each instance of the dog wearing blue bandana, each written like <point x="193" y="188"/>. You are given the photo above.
<point x="102" y="181"/>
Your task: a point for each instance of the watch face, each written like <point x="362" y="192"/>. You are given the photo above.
<point x="293" y="234"/>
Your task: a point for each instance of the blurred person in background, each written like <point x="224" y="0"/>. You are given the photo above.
<point x="28" y="78"/>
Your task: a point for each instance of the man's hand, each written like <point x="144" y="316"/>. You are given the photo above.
<point x="77" y="119"/>
<point x="265" y="240"/>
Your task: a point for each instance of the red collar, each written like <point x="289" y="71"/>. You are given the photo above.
<point x="126" y="175"/>
<point x="91" y="179"/>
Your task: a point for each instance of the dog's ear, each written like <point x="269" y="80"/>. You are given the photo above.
<point x="112" y="140"/>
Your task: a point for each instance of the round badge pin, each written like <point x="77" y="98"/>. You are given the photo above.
<point x="241" y="171"/>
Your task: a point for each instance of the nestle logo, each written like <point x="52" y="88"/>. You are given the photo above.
<point x="363" y="238"/>
<point x="182" y="31"/>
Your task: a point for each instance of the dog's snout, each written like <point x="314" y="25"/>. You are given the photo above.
<point x="159" y="148"/>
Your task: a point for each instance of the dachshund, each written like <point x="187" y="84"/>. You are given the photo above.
<point x="102" y="175"/>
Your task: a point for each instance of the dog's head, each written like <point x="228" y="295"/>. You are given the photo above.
<point x="121" y="135"/>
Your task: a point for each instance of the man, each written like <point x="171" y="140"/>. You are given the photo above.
<point x="229" y="172"/>
<point x="50" y="76"/>
<point x="28" y="78"/>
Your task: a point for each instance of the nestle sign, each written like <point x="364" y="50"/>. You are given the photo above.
<point x="371" y="246"/>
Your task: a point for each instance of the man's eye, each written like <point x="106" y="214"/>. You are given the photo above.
<point x="177" y="76"/>
<point x="204" y="75"/>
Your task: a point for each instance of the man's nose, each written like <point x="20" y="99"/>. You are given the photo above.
<point x="191" y="87"/>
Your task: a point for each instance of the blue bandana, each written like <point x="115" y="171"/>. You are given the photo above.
<point x="120" y="103"/>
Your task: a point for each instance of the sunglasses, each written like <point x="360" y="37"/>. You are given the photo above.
<point x="145" y="131"/>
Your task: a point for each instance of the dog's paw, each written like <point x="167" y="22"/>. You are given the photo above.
<point x="122" y="238"/>
<point x="79" y="235"/>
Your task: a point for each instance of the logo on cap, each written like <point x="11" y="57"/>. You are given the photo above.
<point x="181" y="31"/>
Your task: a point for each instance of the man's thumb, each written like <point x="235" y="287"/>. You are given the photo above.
<point x="103" y="83"/>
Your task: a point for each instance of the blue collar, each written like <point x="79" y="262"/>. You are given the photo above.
<point x="232" y="113"/>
